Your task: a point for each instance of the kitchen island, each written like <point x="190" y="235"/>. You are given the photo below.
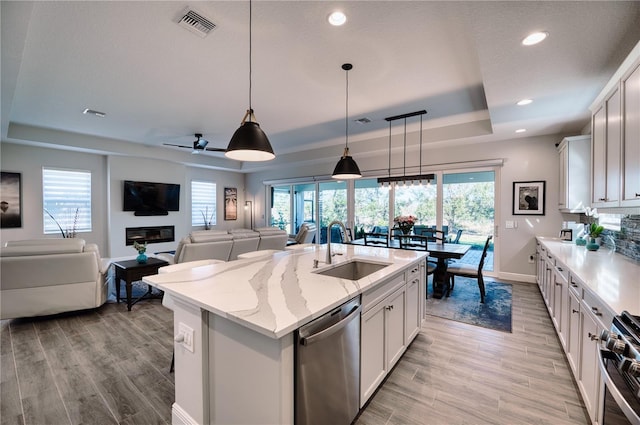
<point x="234" y="324"/>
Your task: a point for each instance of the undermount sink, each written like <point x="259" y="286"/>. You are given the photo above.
<point x="353" y="270"/>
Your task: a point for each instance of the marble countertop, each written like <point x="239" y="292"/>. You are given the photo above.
<point x="278" y="294"/>
<point x="614" y="278"/>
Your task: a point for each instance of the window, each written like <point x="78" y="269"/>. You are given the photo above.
<point x="66" y="198"/>
<point x="203" y="204"/>
<point x="371" y="207"/>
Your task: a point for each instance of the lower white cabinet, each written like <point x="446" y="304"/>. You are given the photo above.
<point x="574" y="336"/>
<point x="414" y="302"/>
<point x="589" y="381"/>
<point x="382" y="341"/>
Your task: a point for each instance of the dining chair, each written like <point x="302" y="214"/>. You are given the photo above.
<point x="456" y="239"/>
<point x="379" y="239"/>
<point x="418" y="243"/>
<point x="465" y="270"/>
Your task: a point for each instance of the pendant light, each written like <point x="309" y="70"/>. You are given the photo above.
<point x="404" y="178"/>
<point x="249" y="143"/>
<point x="346" y="168"/>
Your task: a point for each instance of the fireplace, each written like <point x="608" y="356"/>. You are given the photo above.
<point x="151" y="234"/>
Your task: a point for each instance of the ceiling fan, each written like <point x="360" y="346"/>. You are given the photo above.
<point x="199" y="145"/>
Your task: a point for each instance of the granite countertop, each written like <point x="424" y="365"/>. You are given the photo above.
<point x="278" y="294"/>
<point x="614" y="278"/>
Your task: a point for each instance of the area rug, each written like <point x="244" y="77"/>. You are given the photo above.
<point x="463" y="304"/>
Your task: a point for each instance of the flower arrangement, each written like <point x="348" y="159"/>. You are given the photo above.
<point x="594" y="230"/>
<point x="71" y="231"/>
<point x="141" y="248"/>
<point x="205" y="214"/>
<point x="405" y="222"/>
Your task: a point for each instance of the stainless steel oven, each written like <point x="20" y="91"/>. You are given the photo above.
<point x="619" y="362"/>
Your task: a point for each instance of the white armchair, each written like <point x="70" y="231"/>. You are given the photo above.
<point x="47" y="276"/>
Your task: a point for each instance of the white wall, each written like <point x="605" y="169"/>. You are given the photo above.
<point x="524" y="159"/>
<point x="108" y="173"/>
<point x="29" y="161"/>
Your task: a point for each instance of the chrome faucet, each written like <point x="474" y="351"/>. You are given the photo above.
<point x="344" y="229"/>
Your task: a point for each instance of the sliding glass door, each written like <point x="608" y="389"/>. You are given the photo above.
<point x="371" y="207"/>
<point x="468" y="204"/>
<point x="332" y="205"/>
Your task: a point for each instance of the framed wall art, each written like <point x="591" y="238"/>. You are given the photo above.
<point x="230" y="203"/>
<point x="529" y="198"/>
<point x="11" y="202"/>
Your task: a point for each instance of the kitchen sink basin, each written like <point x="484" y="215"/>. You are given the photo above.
<point x="353" y="270"/>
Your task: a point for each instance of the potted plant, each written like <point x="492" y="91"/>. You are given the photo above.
<point x="594" y="232"/>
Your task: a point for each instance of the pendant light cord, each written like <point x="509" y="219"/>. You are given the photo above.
<point x="250" y="14"/>
<point x="346" y="116"/>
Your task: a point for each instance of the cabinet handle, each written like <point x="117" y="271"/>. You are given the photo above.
<point x="602" y="199"/>
<point x="595" y="311"/>
<point x="560" y="269"/>
<point x="573" y="310"/>
<point x="574" y="285"/>
<point x="558" y="283"/>
<point x="593" y="337"/>
<point x="389" y="307"/>
<point x="637" y="195"/>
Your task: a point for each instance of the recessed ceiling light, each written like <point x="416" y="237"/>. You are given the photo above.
<point x="521" y="130"/>
<point x="535" y="38"/>
<point x="337" y="18"/>
<point x="96" y="113"/>
<point x="524" y="102"/>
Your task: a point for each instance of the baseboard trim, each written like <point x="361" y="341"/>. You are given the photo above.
<point x="180" y="417"/>
<point x="527" y="278"/>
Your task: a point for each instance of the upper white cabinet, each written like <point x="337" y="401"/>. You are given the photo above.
<point x="630" y="86"/>
<point x="574" y="152"/>
<point x="605" y="154"/>
<point x="615" y="127"/>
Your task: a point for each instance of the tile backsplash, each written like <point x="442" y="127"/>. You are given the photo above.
<point x="627" y="240"/>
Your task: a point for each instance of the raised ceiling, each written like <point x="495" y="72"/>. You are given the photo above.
<point x="159" y="83"/>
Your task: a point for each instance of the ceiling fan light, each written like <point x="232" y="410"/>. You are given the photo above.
<point x="346" y="168"/>
<point x="249" y="143"/>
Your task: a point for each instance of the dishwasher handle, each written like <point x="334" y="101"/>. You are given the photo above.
<point x="325" y="333"/>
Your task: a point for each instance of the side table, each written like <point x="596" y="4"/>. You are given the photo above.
<point x="131" y="271"/>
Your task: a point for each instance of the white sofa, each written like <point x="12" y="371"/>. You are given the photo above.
<point x="48" y="276"/>
<point x="225" y="246"/>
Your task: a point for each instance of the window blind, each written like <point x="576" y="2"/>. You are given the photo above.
<point x="203" y="203"/>
<point x="66" y="198"/>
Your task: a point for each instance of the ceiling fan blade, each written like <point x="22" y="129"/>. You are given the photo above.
<point x="178" y="146"/>
<point x="216" y="149"/>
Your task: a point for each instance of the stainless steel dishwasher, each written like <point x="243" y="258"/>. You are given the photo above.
<point x="327" y="376"/>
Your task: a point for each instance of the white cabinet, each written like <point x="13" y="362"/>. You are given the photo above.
<point x="575" y="154"/>
<point x="392" y="314"/>
<point x="615" y="129"/>
<point x="605" y="154"/>
<point x="561" y="302"/>
<point x="573" y="343"/>
<point x="589" y="380"/>
<point x="382" y="341"/>
<point x="414" y="303"/>
<point x="630" y="86"/>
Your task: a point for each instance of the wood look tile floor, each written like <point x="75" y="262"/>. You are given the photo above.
<point x="112" y="366"/>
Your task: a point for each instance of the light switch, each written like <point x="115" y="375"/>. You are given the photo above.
<point x="509" y="224"/>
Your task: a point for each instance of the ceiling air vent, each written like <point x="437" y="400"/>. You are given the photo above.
<point x="363" y="120"/>
<point x="196" y="23"/>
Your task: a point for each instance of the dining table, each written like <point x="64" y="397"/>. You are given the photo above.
<point x="442" y="252"/>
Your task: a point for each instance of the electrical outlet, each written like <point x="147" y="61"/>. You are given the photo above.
<point x="531" y="259"/>
<point x="187" y="335"/>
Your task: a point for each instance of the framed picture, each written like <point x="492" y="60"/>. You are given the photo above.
<point x="528" y="198"/>
<point x="230" y="203"/>
<point x="11" y="202"/>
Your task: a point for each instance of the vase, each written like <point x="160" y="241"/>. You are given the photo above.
<point x="581" y="241"/>
<point x="141" y="258"/>
<point x="405" y="230"/>
<point x="593" y="245"/>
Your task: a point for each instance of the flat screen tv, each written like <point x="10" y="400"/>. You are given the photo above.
<point x="151" y="198"/>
